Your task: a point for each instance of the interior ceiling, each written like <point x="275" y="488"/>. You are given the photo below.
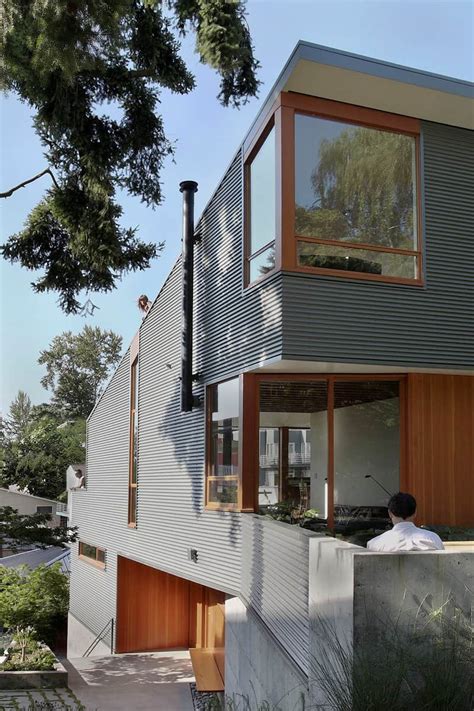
<point x="397" y="97"/>
<point x="307" y="397"/>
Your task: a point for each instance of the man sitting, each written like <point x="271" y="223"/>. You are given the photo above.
<point x="404" y="536"/>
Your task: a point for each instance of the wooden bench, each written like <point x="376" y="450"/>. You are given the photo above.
<point x="206" y="669"/>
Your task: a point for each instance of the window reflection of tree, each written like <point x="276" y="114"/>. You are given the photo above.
<point x="363" y="186"/>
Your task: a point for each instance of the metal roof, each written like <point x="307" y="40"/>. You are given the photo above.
<point x="35" y="557"/>
<point x="334" y="73"/>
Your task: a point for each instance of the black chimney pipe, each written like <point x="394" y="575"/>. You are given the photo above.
<point x="188" y="188"/>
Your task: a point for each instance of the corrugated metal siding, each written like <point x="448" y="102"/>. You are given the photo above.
<point x="102" y="507"/>
<point x="275" y="575"/>
<point x="338" y="320"/>
<point x="232" y="330"/>
<point x="236" y="330"/>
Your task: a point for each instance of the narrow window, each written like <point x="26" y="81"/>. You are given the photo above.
<point x="133" y="462"/>
<point x="355" y="199"/>
<point x="92" y="554"/>
<point x="223" y="468"/>
<point x="260" y="205"/>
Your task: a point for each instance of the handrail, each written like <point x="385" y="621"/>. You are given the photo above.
<point x="100" y="637"/>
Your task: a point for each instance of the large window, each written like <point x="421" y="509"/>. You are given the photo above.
<point x="223" y="445"/>
<point x="329" y="449"/>
<point x="133" y="462"/>
<point x="260" y="208"/>
<point x="333" y="189"/>
<point x="355" y="198"/>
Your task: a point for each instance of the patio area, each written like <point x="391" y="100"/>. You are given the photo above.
<point x="155" y="681"/>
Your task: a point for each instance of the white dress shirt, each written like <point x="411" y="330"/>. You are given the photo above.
<point x="405" y="536"/>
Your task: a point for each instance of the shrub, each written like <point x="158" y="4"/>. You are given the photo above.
<point x="34" y="597"/>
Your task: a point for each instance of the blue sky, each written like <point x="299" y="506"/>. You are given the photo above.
<point x="434" y="35"/>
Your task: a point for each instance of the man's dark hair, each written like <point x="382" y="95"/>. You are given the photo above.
<point x="402" y="505"/>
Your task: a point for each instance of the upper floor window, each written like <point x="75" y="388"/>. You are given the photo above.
<point x="333" y="189"/>
<point x="355" y="198"/>
<point x="261" y="211"/>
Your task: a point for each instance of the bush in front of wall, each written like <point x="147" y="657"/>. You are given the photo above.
<point x="38" y="597"/>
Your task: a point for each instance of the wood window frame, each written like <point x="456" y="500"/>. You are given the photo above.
<point x="251" y="423"/>
<point x="209" y="476"/>
<point x="92" y="561"/>
<point x="249" y="156"/>
<point x="247" y="499"/>
<point x="134" y="386"/>
<point x="281" y="115"/>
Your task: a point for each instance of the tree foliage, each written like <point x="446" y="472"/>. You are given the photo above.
<point x="38" y="462"/>
<point x="19" y="416"/>
<point x="92" y="72"/>
<point x="37" y="598"/>
<point x="77" y="368"/>
<point x="17" y="530"/>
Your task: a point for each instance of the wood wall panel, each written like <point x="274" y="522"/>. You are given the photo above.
<point x="156" y="610"/>
<point x="152" y="608"/>
<point x="441" y="448"/>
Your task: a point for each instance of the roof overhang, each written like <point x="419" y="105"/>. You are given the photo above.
<point x="332" y="74"/>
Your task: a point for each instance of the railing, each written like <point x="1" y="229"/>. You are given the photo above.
<point x="61" y="508"/>
<point x="109" y="627"/>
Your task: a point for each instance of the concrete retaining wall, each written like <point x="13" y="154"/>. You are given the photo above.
<point x="80" y="637"/>
<point x="256" y="665"/>
<point x="346" y="596"/>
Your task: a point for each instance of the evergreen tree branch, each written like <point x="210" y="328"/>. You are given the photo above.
<point x="9" y="193"/>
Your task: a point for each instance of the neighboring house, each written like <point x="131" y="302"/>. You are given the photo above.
<point x="40" y="556"/>
<point x="28" y="504"/>
<point x="333" y="362"/>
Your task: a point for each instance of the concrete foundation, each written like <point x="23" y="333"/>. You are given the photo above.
<point x="256" y="665"/>
<point x="80" y="637"/>
<point x="410" y="590"/>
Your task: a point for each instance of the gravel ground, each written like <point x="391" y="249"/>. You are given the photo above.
<point x="204" y="701"/>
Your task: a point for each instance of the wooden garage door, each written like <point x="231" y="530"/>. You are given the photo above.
<point x="152" y="609"/>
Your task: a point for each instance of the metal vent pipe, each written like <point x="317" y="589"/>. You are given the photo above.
<point x="188" y="188"/>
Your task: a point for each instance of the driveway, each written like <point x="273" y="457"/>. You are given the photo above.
<point x="155" y="681"/>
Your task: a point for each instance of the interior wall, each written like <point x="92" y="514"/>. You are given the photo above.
<point x="318" y="438"/>
<point x="296" y="420"/>
<point x="440" y="443"/>
<point x="366" y="441"/>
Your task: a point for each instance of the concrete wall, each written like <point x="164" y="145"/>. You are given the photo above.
<point x="257" y="666"/>
<point x="367" y="601"/>
<point x="304" y="594"/>
<point x="408" y="589"/>
<point x="80" y="637"/>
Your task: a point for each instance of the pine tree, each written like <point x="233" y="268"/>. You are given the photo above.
<point x="70" y="62"/>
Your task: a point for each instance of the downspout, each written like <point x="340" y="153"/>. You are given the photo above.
<point x="188" y="401"/>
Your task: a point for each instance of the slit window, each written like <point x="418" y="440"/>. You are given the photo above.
<point x="133" y="462"/>
<point x="261" y="210"/>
